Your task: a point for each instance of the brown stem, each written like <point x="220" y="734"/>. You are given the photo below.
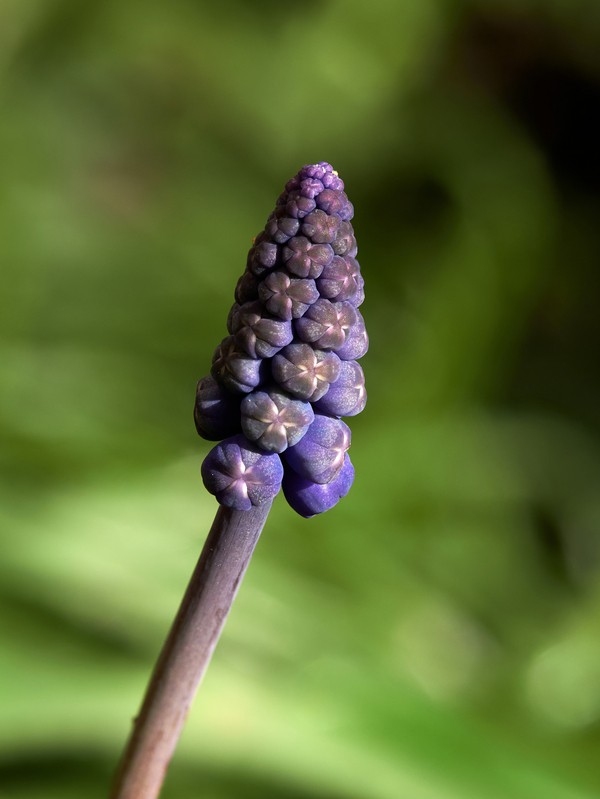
<point x="187" y="651"/>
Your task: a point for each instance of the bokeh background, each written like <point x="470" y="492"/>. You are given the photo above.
<point x="437" y="635"/>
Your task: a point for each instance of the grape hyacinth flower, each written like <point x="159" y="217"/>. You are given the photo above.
<point x="288" y="370"/>
<point x="279" y="384"/>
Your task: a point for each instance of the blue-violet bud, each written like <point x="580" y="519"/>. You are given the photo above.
<point x="285" y="296"/>
<point x="216" y="410"/>
<point x="255" y="332"/>
<point x="240" y="475"/>
<point x="305" y="373"/>
<point x="246" y="289"/>
<point x="326" y="324"/>
<point x="345" y="243"/>
<point x="308" y="498"/>
<point x="235" y="370"/>
<point x="347" y="396"/>
<point x="304" y="259"/>
<point x="274" y="419"/>
<point x="340" y="280"/>
<point x="320" y="227"/>
<point x="357" y="342"/>
<point x="319" y="454"/>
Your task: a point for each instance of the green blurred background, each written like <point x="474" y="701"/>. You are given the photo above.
<point x="437" y="635"/>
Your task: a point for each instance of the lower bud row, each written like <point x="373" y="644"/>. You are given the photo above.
<point x="314" y="475"/>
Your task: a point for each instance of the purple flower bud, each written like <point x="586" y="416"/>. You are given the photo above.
<point x="298" y="206"/>
<point x="358" y="298"/>
<point x="304" y="372"/>
<point x="319" y="454"/>
<point x="347" y="396"/>
<point x="305" y="259"/>
<point x="344" y="242"/>
<point x="308" y="498"/>
<point x="326" y="325"/>
<point x="347" y="212"/>
<point x="287" y="297"/>
<point x="241" y="476"/>
<point x="357" y="342"/>
<point x="339" y="280"/>
<point x="282" y="228"/>
<point x="246" y="289"/>
<point x="235" y="370"/>
<point x="274" y="420"/>
<point x="255" y="332"/>
<point x="216" y="411"/>
<point x="310" y="187"/>
<point x="262" y="257"/>
<point x="331" y="201"/>
<point x="319" y="227"/>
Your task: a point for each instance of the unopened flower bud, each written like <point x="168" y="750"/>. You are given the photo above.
<point x="274" y="420"/>
<point x="235" y="370"/>
<point x="302" y="258"/>
<point x="357" y="342"/>
<point x="298" y="206"/>
<point x="246" y="289"/>
<point x="344" y="242"/>
<point x="216" y="410"/>
<point x="319" y="227"/>
<point x="347" y="396"/>
<point x="319" y="454"/>
<point x="281" y="228"/>
<point x="240" y="475"/>
<point x="339" y="280"/>
<point x="285" y="296"/>
<point x="308" y="498"/>
<point x="255" y="332"/>
<point x="326" y="325"/>
<point x="304" y="372"/>
<point x="262" y="257"/>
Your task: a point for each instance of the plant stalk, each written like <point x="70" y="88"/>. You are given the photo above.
<point x="187" y="651"/>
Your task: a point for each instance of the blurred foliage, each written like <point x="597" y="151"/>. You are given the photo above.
<point x="437" y="636"/>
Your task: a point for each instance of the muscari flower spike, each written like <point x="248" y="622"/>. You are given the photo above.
<point x="288" y="370"/>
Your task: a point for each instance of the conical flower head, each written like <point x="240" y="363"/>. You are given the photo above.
<point x="288" y="370"/>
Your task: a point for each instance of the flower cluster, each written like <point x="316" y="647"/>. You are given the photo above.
<point x="287" y="372"/>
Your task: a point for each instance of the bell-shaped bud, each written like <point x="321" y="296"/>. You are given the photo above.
<point x="302" y="258"/>
<point x="285" y="296"/>
<point x="308" y="498"/>
<point x="246" y="289"/>
<point x="326" y="325"/>
<point x="319" y="454"/>
<point x="319" y="227"/>
<point x="358" y="298"/>
<point x="240" y="475"/>
<point x="304" y="372"/>
<point x="263" y="256"/>
<point x="235" y="370"/>
<point x="216" y="410"/>
<point x="357" y="341"/>
<point x="347" y="396"/>
<point x="345" y="243"/>
<point x="298" y="206"/>
<point x="274" y="420"/>
<point x="340" y="280"/>
<point x="330" y="201"/>
<point x="255" y="332"/>
<point x="282" y="228"/>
